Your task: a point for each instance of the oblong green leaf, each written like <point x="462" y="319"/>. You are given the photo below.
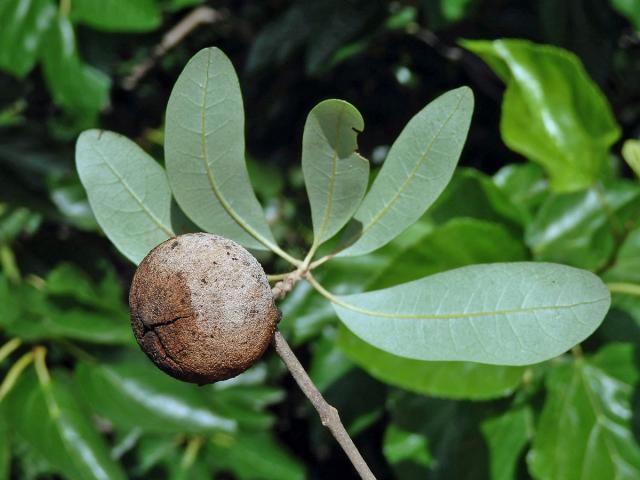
<point x="21" y="33"/>
<point x="585" y="431"/>
<point x="582" y="228"/>
<point x="49" y="418"/>
<point x="205" y="153"/>
<point x="128" y="192"/>
<point x="506" y="436"/>
<point x="136" y="394"/>
<point x="335" y="176"/>
<point x="631" y="155"/>
<point x="75" y="86"/>
<point x="254" y="455"/>
<point x="626" y="267"/>
<point x="629" y="9"/>
<point x="456" y="380"/>
<point x="501" y="313"/>
<point x="5" y="450"/>
<point x="117" y="15"/>
<point x="418" y="168"/>
<point x="552" y="112"/>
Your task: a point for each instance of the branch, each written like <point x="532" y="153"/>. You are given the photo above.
<point x="197" y="17"/>
<point x="328" y="414"/>
<point x="287" y="282"/>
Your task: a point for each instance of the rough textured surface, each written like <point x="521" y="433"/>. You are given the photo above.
<point x="202" y="308"/>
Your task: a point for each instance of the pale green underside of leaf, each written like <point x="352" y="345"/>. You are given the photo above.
<point x="418" y="168"/>
<point x="205" y="155"/>
<point x="502" y="313"/>
<point x="128" y="192"/>
<point x="335" y="176"/>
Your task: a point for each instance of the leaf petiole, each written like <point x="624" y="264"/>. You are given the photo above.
<point x="14" y="374"/>
<point x="624" y="288"/>
<point x="9" y="347"/>
<point x="39" y="356"/>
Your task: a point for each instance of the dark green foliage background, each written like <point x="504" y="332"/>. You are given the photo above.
<point x="63" y="285"/>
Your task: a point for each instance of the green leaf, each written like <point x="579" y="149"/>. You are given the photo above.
<point x="630" y="9"/>
<point x="507" y="434"/>
<point x="133" y="393"/>
<point x="329" y="25"/>
<point x="457" y="380"/>
<point x="5" y="451"/>
<point x="457" y="243"/>
<point x="128" y="192"/>
<point x="502" y="313"/>
<point x="552" y="112"/>
<point x="419" y="166"/>
<point x="75" y="324"/>
<point x="67" y="280"/>
<point x="17" y="222"/>
<point x="279" y="38"/>
<point x="402" y="18"/>
<point x="473" y="194"/>
<point x="627" y="263"/>
<point x="631" y="155"/>
<point x="442" y="13"/>
<point x="254" y="455"/>
<point x="29" y="465"/>
<point x="151" y="450"/>
<point x="24" y="24"/>
<point x="205" y="157"/>
<point x="32" y="315"/>
<point x="48" y="417"/>
<point x="525" y="185"/>
<point x="404" y="446"/>
<point x="117" y="15"/>
<point x="584" y="431"/>
<point x="580" y="228"/>
<point x="449" y="433"/>
<point x="74" y="86"/>
<point x="357" y="412"/>
<point x="245" y="399"/>
<point x="328" y="363"/>
<point x="11" y="304"/>
<point x="175" y="5"/>
<point x="71" y="200"/>
<point x="332" y="24"/>
<point x="335" y="175"/>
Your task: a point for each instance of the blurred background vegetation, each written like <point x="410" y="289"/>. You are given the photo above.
<point x="94" y="407"/>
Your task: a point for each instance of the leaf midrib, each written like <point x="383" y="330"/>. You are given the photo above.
<point x="137" y="199"/>
<point x="599" y="416"/>
<point x="210" y="176"/>
<point x="452" y="316"/>
<point x="332" y="181"/>
<point x="411" y="176"/>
